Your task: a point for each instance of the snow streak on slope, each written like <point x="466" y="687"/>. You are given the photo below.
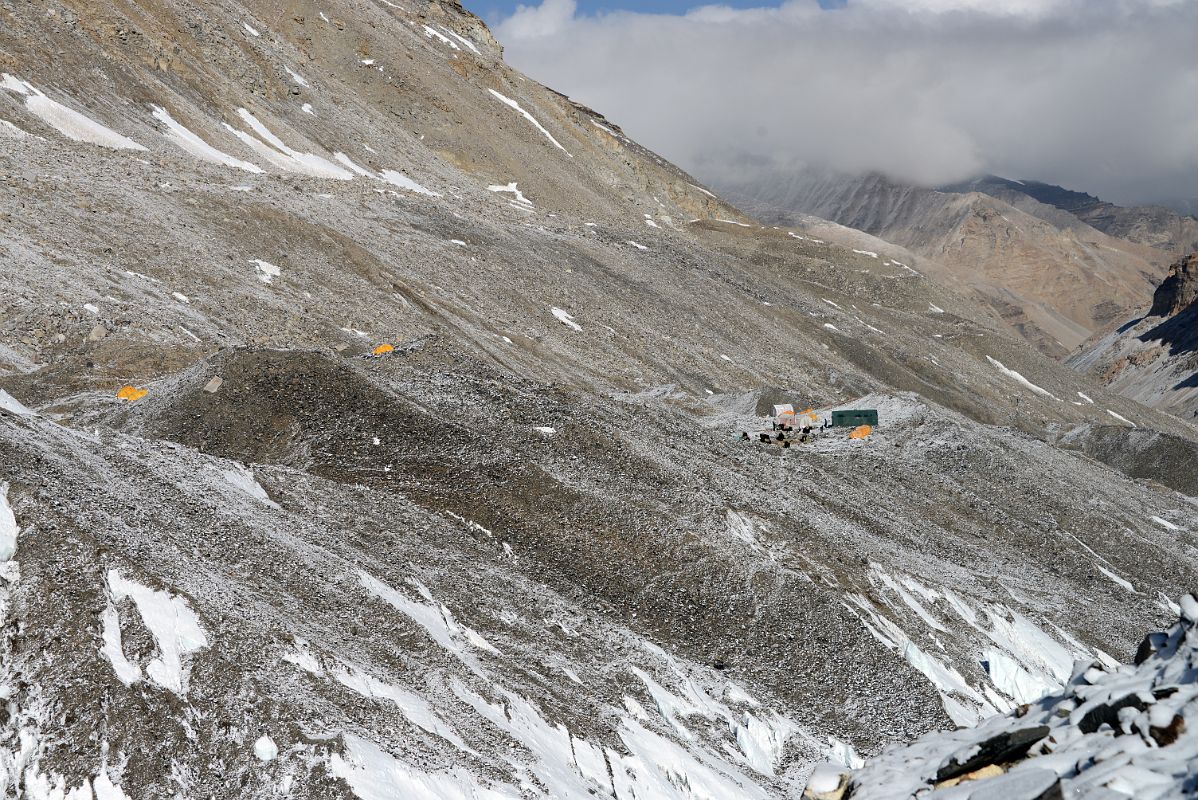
<point x="1018" y="378"/>
<point x="507" y="101"/>
<point x="10" y="131"/>
<point x="512" y="189"/>
<point x="192" y="143"/>
<point x="8" y="527"/>
<point x="437" y="620"/>
<point x="67" y="121"/>
<point x="12" y="405"/>
<point x="387" y="176"/>
<point x="374" y="774"/>
<point x="549" y="761"/>
<point x="273" y="149"/>
<point x="1022" y="661"/>
<point x="566" y="318"/>
<point x="21" y="768"/>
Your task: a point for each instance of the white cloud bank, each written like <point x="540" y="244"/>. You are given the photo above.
<point x="1093" y="94"/>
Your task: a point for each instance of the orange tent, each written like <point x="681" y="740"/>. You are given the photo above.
<point x="861" y="432"/>
<point x="131" y="394"/>
<point x="382" y="350"/>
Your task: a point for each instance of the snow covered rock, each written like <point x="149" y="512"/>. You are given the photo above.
<point x="1125" y="732"/>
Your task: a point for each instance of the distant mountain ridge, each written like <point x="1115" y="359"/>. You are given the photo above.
<point x="1053" y="278"/>
<point x="1155" y="226"/>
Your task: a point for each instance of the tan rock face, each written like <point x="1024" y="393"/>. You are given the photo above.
<point x="1179" y="290"/>
<point x="988" y="771"/>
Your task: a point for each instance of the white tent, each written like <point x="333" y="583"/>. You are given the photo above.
<point x="784" y="415"/>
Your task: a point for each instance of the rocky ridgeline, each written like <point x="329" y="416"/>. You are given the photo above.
<point x="1179" y="290"/>
<point x="1128" y="732"/>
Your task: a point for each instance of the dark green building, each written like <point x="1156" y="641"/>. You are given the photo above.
<point x="854" y="417"/>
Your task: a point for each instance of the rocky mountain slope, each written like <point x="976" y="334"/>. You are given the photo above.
<point x="1052" y="279"/>
<point x="1154" y="358"/>
<point x="1155" y="226"/>
<point x="437" y="486"/>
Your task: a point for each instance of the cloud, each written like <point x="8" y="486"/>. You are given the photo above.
<point x="550" y="18"/>
<point x="1094" y="94"/>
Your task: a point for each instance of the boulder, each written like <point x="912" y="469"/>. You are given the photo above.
<point x="1000" y="749"/>
<point x="827" y="782"/>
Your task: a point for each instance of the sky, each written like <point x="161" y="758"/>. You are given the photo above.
<point x="1097" y="95"/>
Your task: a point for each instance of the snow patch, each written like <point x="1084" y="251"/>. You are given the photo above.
<point x="465" y="42"/>
<point x="10" y="131"/>
<point x="12" y="405"/>
<point x="8" y="527"/>
<point x="511" y="188"/>
<point x="437" y="620"/>
<point x="266" y="749"/>
<point x="373" y="774"/>
<point x="1121" y="418"/>
<point x="193" y="144"/>
<point x="1121" y="581"/>
<point x="1018" y="378"/>
<point x="67" y="121"/>
<point x="565" y="318"/>
<point x="266" y="271"/>
<point x="295" y="76"/>
<point x="404" y="182"/>
<point x="433" y="33"/>
<point x="174" y="626"/>
<point x="272" y="148"/>
<point x="243" y="480"/>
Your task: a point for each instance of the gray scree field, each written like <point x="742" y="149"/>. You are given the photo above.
<point x="525" y="553"/>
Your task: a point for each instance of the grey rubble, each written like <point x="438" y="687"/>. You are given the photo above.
<point x="742" y="581"/>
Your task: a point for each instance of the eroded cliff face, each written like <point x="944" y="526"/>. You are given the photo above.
<point x="1154" y="358"/>
<point x="1179" y="291"/>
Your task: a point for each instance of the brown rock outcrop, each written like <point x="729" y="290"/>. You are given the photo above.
<point x="1179" y="290"/>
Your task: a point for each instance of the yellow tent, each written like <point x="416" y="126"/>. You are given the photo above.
<point x="131" y="394"/>
<point x="382" y="349"/>
<point x="861" y="432"/>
